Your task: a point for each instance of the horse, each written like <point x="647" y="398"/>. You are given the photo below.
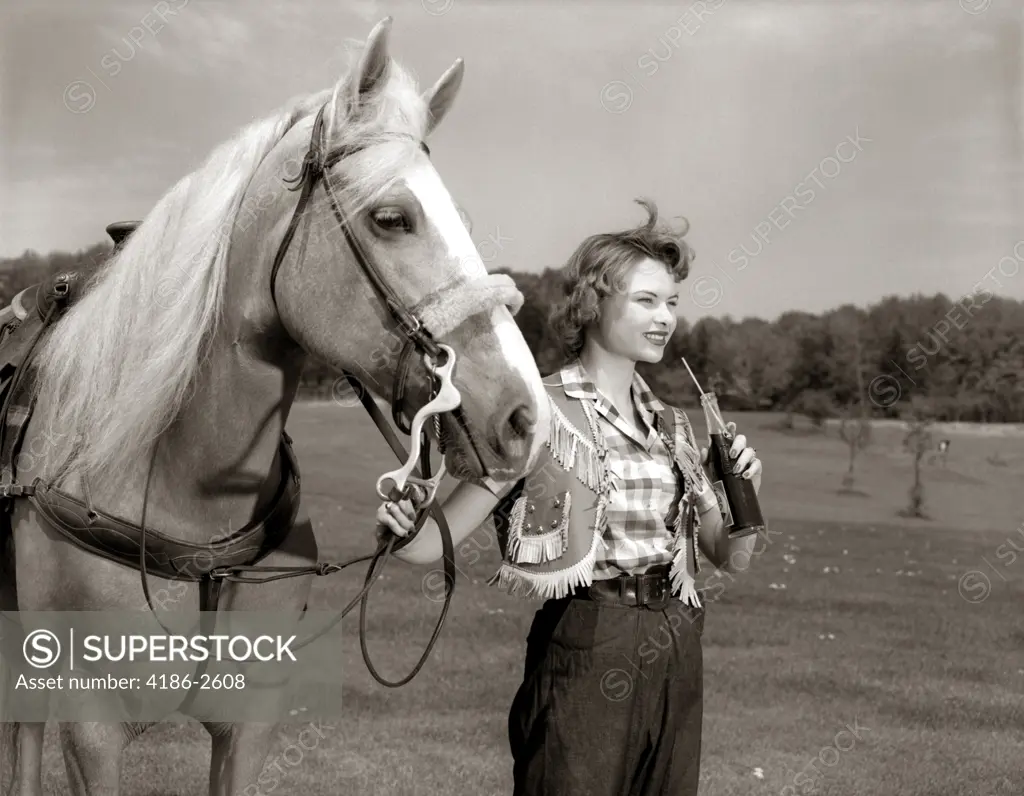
<point x="161" y="394"/>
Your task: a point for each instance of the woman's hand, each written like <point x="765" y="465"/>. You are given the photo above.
<point x="745" y="461"/>
<point x="399" y="518"/>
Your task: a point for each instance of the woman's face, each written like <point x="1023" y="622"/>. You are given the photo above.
<point x="637" y="322"/>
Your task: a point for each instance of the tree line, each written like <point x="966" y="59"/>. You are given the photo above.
<point x="945" y="357"/>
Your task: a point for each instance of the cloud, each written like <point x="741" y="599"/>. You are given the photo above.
<point x="208" y="37"/>
<point x="367" y="10"/>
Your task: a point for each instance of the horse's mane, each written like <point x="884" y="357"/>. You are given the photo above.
<point x="121" y="365"/>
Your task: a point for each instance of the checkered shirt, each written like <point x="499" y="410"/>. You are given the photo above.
<point x="645" y="489"/>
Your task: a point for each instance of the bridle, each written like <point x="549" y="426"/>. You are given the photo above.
<point x="420" y="325"/>
<point x="315" y="166"/>
<point x="438" y="358"/>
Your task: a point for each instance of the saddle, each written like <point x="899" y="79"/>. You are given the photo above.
<point x="40" y="299"/>
<point x="22" y="326"/>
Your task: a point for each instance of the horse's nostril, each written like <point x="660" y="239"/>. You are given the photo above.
<point x="521" y="421"/>
<point x="512" y="432"/>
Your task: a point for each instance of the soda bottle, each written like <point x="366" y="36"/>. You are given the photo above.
<point x="736" y="495"/>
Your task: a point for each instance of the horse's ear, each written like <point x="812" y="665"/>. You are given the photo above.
<point x="440" y="97"/>
<point x="373" y="64"/>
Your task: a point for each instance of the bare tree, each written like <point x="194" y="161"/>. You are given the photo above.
<point x="918" y="442"/>
<point x="855" y="431"/>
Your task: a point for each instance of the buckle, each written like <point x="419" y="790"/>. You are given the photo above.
<point x="16" y="490"/>
<point x="409" y="323"/>
<point x="653" y="593"/>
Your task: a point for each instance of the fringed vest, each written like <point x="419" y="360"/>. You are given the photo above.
<point x="550" y="524"/>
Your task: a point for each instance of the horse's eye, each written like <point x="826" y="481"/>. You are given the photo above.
<point x="392" y="220"/>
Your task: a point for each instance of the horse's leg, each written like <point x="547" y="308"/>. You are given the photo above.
<point x="239" y="750"/>
<point x="30" y="757"/>
<point x="53" y="575"/>
<point x="21" y="743"/>
<point x="92" y="756"/>
<point x="93" y="752"/>
<point x="23" y="758"/>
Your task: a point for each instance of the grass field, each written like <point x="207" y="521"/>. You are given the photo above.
<point x="852" y="617"/>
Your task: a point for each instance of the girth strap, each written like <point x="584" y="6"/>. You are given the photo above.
<point x="119" y="540"/>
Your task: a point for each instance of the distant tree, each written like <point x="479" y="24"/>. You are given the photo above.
<point x="763" y="358"/>
<point x="712" y="354"/>
<point x="918" y="442"/>
<point x="856" y="433"/>
<point x="817" y="406"/>
<point x="803" y="331"/>
<point x="855" y="425"/>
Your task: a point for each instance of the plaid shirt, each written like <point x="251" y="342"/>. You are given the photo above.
<point x="645" y="489"/>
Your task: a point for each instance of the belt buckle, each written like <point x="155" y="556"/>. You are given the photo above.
<point x="656" y="596"/>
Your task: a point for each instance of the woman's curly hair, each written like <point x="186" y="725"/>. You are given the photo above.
<point x="599" y="266"/>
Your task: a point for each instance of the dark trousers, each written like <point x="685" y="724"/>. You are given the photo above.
<point x="611" y="702"/>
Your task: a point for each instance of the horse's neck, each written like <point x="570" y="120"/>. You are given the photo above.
<point x="217" y="465"/>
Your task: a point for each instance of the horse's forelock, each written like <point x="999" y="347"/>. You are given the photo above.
<point x="392" y="120"/>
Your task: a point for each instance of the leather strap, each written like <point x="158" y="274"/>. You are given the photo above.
<point x="209" y="598"/>
<point x="119" y="540"/>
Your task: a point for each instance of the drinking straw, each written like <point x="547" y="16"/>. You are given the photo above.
<point x="718" y="417"/>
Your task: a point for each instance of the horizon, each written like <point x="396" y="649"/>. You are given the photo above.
<point x="863" y="307"/>
<point x="905" y="123"/>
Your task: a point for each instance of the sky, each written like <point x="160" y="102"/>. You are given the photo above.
<point x="824" y="153"/>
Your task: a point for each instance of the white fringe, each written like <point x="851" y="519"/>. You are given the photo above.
<point x="680" y="577"/>
<point x="547" y="585"/>
<point x="537" y="548"/>
<point x="688" y="460"/>
<point x="573" y="451"/>
<point x="682" y="581"/>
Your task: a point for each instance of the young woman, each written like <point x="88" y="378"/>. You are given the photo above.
<point x="606" y="528"/>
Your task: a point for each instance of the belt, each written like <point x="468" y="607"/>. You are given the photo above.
<point x="651" y="589"/>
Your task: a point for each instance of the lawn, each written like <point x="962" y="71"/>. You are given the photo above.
<point x="857" y="656"/>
